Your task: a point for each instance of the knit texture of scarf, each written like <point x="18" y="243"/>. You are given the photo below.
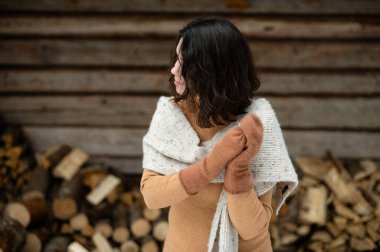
<point x="171" y="144"/>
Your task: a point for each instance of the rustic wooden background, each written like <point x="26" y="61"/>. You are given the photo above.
<point x="89" y="73"/>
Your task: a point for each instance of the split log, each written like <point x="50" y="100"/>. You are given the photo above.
<point x="120" y="232"/>
<point x="313" y="208"/>
<point x="101" y="242"/>
<point x="18" y="212"/>
<point x="79" y="221"/>
<point x="149" y="244"/>
<point x="52" y="156"/>
<point x="365" y="244"/>
<point x="104" y="227"/>
<point x="38" y="183"/>
<point x="93" y="175"/>
<point x="66" y="228"/>
<point x="139" y="226"/>
<point x="356" y="230"/>
<point x="368" y="167"/>
<point x="360" y="205"/>
<point x="32" y="243"/>
<point x="160" y="230"/>
<point x="76" y="247"/>
<point x="66" y="198"/>
<point x="57" y="244"/>
<point x="129" y="246"/>
<point x="12" y="235"/>
<point x="103" y="189"/>
<point x="88" y="231"/>
<point x="70" y="164"/>
<point x="38" y="208"/>
<point x="152" y="214"/>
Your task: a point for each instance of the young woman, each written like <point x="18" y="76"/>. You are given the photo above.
<point x="212" y="153"/>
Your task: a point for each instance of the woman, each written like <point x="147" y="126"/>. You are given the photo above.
<point x="207" y="142"/>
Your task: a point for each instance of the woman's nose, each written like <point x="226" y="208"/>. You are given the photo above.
<point x="174" y="69"/>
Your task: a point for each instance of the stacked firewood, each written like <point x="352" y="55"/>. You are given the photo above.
<point x="332" y="210"/>
<point x="59" y="201"/>
<point x="16" y="157"/>
<point x="65" y="203"/>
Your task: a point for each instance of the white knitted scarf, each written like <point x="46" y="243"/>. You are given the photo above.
<point x="171" y="144"/>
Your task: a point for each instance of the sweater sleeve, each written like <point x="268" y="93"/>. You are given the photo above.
<point x="249" y="213"/>
<point x="160" y="191"/>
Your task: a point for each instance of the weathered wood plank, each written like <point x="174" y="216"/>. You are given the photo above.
<point x="136" y="111"/>
<point x="204" y="6"/>
<point x="127" y="165"/>
<point x="160" y="26"/>
<point x="128" y="142"/>
<point x="155" y="53"/>
<point x="79" y="110"/>
<point x="135" y="81"/>
<point x="95" y="141"/>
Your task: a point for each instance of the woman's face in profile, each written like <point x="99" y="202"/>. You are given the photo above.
<point x="176" y="71"/>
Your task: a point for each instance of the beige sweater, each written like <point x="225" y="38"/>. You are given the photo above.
<point x="190" y="216"/>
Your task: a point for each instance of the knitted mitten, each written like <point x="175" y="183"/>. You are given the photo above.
<point x="199" y="174"/>
<point x="238" y="177"/>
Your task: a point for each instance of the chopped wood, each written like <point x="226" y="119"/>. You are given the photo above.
<point x="340" y="222"/>
<point x="365" y="244"/>
<point x="17" y="211"/>
<point x="313" y="208"/>
<point x="303" y="230"/>
<point x="57" y="244"/>
<point x="32" y="243"/>
<point x="101" y="242"/>
<point x="70" y="164"/>
<point x="337" y="242"/>
<point x="64" y="208"/>
<point x="344" y="211"/>
<point x="316" y="246"/>
<point x="129" y="246"/>
<point x="93" y="175"/>
<point x="79" y="221"/>
<point x="368" y="166"/>
<point x="76" y="247"/>
<point x="333" y="229"/>
<point x="38" y="209"/>
<point x="12" y="234"/>
<point x="288" y="239"/>
<point x="151" y="214"/>
<point x="104" y="227"/>
<point x="160" y="229"/>
<point x="322" y="236"/>
<point x="356" y="230"/>
<point x="88" y="231"/>
<point x="103" y="189"/>
<point x="149" y="245"/>
<point x="120" y="232"/>
<point x="66" y="228"/>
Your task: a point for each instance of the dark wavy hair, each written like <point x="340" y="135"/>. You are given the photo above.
<point x="218" y="67"/>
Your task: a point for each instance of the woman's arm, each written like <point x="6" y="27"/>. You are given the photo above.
<point x="160" y="191"/>
<point x="250" y="214"/>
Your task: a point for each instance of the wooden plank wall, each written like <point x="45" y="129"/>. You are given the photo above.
<point x="89" y="73"/>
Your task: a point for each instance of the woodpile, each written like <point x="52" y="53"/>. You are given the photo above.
<point x="65" y="203"/>
<point x="336" y="208"/>
<point x="16" y="158"/>
<point x="59" y="201"/>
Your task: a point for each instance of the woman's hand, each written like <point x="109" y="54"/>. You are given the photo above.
<point x="199" y="174"/>
<point x="238" y="177"/>
<point x="230" y="145"/>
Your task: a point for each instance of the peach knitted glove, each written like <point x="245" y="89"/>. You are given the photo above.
<point x="198" y="175"/>
<point x="238" y="177"/>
